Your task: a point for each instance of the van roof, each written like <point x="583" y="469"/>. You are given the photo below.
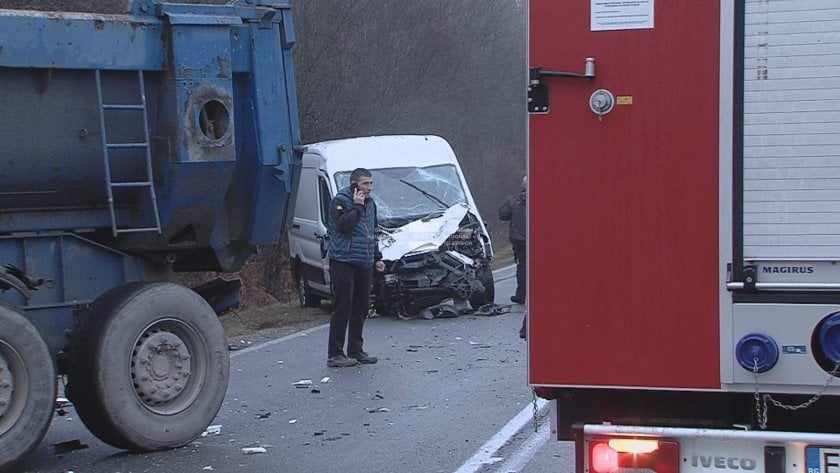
<point x="383" y="151"/>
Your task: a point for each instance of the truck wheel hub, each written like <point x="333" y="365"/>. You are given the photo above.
<point x="7" y="386"/>
<point x="161" y="367"/>
<point x="12" y="377"/>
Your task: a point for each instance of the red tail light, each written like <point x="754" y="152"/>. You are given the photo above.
<point x="608" y="455"/>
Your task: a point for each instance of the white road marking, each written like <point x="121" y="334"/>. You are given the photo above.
<point x="486" y="454"/>
<point x="528" y="449"/>
<point x="302" y="333"/>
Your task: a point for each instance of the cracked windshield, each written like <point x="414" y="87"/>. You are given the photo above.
<point x="406" y="194"/>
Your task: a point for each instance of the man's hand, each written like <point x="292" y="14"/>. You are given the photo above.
<point x="358" y="197"/>
<point x="380" y="266"/>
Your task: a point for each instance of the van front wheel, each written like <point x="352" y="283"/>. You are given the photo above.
<point x="485" y="275"/>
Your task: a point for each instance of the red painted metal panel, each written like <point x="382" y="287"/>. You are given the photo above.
<point x="624" y="211"/>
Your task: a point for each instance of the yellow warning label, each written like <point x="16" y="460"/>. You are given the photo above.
<point x="624" y="100"/>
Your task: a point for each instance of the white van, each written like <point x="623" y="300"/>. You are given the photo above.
<point x="433" y="240"/>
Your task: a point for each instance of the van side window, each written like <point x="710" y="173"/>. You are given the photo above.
<point x="324" y="197"/>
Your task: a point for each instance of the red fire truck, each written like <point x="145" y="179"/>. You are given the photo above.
<point x="684" y="223"/>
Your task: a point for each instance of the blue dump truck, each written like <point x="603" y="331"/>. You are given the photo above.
<point x="135" y="145"/>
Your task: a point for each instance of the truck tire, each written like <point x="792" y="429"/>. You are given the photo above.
<point x="27" y="387"/>
<point x="485" y="275"/>
<point x="305" y="295"/>
<point x="148" y="367"/>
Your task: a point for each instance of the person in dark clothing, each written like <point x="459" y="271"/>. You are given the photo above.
<point x="354" y="253"/>
<point x="514" y="211"/>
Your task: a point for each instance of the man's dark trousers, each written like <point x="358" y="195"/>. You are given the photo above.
<point x="521" y="258"/>
<point x="351" y="293"/>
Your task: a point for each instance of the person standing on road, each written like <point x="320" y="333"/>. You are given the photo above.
<point x="353" y="253"/>
<point x="514" y="210"/>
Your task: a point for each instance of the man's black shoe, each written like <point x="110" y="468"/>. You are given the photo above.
<point x="365" y="359"/>
<point x="517" y="299"/>
<point x="341" y="361"/>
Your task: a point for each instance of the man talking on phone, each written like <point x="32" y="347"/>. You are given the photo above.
<point x="354" y="253"/>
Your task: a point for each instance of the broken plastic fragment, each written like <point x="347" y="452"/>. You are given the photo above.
<point x="304" y="383"/>
<point x="212" y="430"/>
<point x="380" y="409"/>
<point x="325" y="379"/>
<point x="253" y="450"/>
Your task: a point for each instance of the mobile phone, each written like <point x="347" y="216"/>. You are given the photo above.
<point x="353" y="188"/>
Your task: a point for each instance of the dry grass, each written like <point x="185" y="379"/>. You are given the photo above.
<point x="272" y="320"/>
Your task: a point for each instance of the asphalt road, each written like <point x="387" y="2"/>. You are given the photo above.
<point x="448" y="395"/>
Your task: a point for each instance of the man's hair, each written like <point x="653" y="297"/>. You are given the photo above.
<point x="359" y="173"/>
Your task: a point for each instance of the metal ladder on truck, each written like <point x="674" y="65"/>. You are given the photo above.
<point x="147" y="184"/>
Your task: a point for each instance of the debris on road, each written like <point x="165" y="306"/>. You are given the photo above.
<point x="60" y="404"/>
<point x="253" y="450"/>
<point x="212" y="430"/>
<point x="492" y="309"/>
<point x="378" y="409"/>
<point x="69" y="446"/>
<point x="303" y="383"/>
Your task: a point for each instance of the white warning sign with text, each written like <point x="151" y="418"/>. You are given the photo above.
<point x="607" y="15"/>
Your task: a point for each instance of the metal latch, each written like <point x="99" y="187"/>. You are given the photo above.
<point x="749" y="273"/>
<point x="538" y="100"/>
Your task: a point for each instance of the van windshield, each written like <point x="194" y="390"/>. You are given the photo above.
<point x="411" y="193"/>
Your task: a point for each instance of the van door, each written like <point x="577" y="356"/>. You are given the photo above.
<point x="307" y="237"/>
<point x="322" y="284"/>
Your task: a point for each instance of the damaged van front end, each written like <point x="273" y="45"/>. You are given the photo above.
<point x="435" y="266"/>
